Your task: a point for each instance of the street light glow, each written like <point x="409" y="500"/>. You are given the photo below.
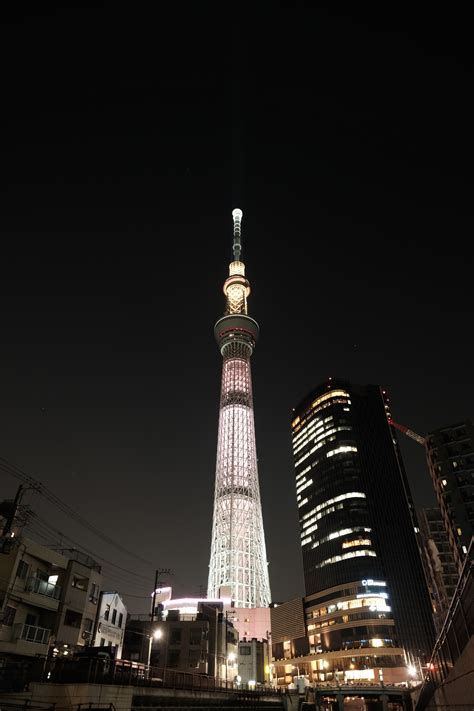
<point x="157" y="634"/>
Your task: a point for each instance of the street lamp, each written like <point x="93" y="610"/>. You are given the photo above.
<point x="230" y="658"/>
<point x="157" y="634"/>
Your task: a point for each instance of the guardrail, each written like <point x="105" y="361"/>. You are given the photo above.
<point x="31" y="633"/>
<point x="126" y="673"/>
<point x="42" y="587"/>
<point x="102" y="670"/>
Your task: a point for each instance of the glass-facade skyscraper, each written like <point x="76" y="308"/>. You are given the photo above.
<point x="362" y="565"/>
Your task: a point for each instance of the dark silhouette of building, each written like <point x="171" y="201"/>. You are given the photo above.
<point x="440" y="567"/>
<point x="197" y="643"/>
<point x="358" y="524"/>
<point x="450" y="454"/>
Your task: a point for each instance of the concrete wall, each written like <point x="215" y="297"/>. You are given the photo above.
<point x="67" y="696"/>
<point x="251" y="622"/>
<point x="458" y="687"/>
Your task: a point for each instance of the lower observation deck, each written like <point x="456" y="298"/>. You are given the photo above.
<point x="236" y="328"/>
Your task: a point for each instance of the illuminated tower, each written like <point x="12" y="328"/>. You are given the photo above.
<point x="238" y="555"/>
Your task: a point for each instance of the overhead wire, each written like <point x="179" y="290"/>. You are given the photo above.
<point x="18" y="473"/>
<point x="37" y="521"/>
<point x="115" y="578"/>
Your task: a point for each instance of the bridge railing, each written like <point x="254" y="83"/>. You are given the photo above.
<point x="102" y="670"/>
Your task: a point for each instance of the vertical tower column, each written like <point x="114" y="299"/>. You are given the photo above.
<point x="238" y="554"/>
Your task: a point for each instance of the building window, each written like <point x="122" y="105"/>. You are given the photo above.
<point x="360" y="542"/>
<point x="194" y="660"/>
<point x="88" y="624"/>
<point x="175" y="635"/>
<point x="114" y="616"/>
<point x="173" y="658"/>
<point x="80" y="582"/>
<point x="107" y="613"/>
<point x="195" y="636"/>
<point x="73" y="618"/>
<point x="102" y="642"/>
<point x="120" y="620"/>
<point x="245" y="650"/>
<point x="94" y="593"/>
<point x="22" y="570"/>
<point x="9" y="616"/>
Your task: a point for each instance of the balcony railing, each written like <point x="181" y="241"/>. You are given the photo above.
<point x="30" y="633"/>
<point x="42" y="587"/>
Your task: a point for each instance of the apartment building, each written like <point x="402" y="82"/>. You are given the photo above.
<point x="80" y="596"/>
<point x="48" y="600"/>
<point x="31" y="579"/>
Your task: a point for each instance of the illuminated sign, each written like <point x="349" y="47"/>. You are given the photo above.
<point x="369" y="581"/>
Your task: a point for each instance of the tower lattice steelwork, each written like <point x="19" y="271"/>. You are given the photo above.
<point x="238" y="555"/>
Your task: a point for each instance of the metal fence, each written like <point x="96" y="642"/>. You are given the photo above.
<point x="27" y="705"/>
<point x="457" y="630"/>
<point x="102" y="670"/>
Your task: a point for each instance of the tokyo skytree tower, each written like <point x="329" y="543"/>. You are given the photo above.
<point x="238" y="555"/>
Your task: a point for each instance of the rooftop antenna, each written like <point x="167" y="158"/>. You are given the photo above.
<point x="237" y="246"/>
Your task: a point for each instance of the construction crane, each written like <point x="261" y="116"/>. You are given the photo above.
<point x="409" y="433"/>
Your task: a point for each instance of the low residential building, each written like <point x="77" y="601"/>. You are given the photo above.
<point x="137" y="639"/>
<point x="192" y="635"/>
<point x="79" y="602"/>
<point x="250" y="622"/>
<point x="31" y="580"/>
<point x="254" y="663"/>
<point x="110" y="622"/>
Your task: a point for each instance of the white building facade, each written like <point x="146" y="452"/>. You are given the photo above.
<point x="110" y="623"/>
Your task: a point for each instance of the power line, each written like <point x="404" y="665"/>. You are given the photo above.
<point x="23" y="476"/>
<point x="34" y="519"/>
<point x="115" y="577"/>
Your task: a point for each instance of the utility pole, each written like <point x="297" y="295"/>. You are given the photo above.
<point x="158" y="572"/>
<point x="11" y="509"/>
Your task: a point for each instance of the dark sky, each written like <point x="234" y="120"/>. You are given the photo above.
<point x="127" y="140"/>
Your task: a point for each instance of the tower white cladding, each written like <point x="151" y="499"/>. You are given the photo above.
<point x="238" y="555"/>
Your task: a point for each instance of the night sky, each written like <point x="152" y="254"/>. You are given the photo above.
<point x="127" y="140"/>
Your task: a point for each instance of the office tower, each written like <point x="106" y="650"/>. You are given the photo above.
<point x="440" y="567"/>
<point x="238" y="559"/>
<point x="357" y="523"/>
<point x="450" y="454"/>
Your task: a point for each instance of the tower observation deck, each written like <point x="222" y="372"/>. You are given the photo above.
<point x="238" y="555"/>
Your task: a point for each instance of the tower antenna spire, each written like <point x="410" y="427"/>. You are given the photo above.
<point x="237" y="246"/>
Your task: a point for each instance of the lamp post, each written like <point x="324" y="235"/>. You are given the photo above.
<point x="231" y="656"/>
<point x="157" y="634"/>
